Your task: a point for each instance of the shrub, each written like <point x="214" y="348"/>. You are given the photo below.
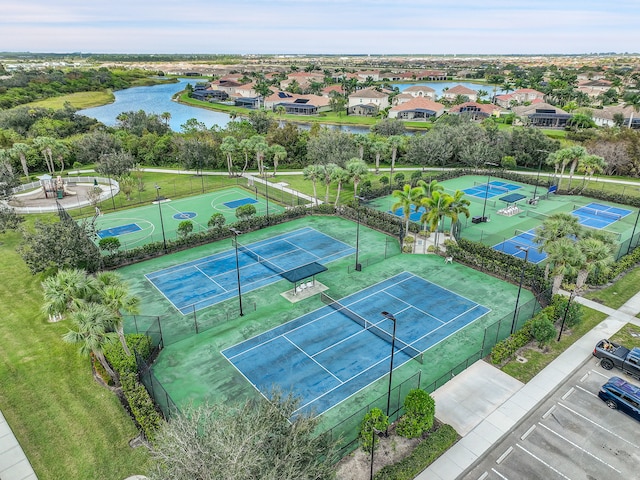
<point x="399" y="177"/>
<point x="109" y="244"/>
<point x="384" y="180"/>
<point x="374" y="418"/>
<point x="122" y="363"/>
<point x="245" y="212"/>
<point x="422" y="456"/>
<point x="142" y="408"/>
<point x="420" y="410"/>
<point x="185" y="228"/>
<point x="543" y="330"/>
<point x="507" y="347"/>
<point x="574" y="314"/>
<point x="217" y="220"/>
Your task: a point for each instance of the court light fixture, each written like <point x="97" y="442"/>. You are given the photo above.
<point x="389" y="316"/>
<point x="524" y="266"/>
<point x="159" y="202"/>
<point x="235" y="238"/>
<point x="486" y="193"/>
<point x="358" y="199"/>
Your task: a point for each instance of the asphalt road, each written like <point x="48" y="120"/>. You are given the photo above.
<point x="572" y="435"/>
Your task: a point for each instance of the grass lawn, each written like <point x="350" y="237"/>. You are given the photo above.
<point x="77" y="100"/>
<point x="616" y="295"/>
<point x="629" y="336"/>
<point x="68" y="426"/>
<point x="537" y="360"/>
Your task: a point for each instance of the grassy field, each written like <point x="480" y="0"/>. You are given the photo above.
<point x="537" y="360"/>
<point x="616" y="295"/>
<point x="629" y="336"/>
<point x="68" y="426"/>
<point x="77" y="100"/>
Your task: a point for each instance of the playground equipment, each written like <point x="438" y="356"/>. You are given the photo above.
<point x="56" y="187"/>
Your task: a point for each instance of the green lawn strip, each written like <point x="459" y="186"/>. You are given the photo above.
<point x="537" y="360"/>
<point x="617" y="294"/>
<point x="629" y="336"/>
<point x="68" y="425"/>
<point x="79" y="100"/>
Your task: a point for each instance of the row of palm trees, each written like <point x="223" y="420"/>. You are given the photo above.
<point x="330" y="173"/>
<point x="577" y="159"/>
<point x="573" y="249"/>
<point x="436" y="202"/>
<point x="93" y="304"/>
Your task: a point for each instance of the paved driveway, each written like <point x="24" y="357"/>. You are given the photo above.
<point x="572" y="435"/>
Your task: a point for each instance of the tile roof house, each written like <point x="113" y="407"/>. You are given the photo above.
<point x="402" y="98"/>
<point x="304" y="79"/>
<point x="593" y="88"/>
<point x="227" y="86"/>
<point x="297" y="104"/>
<point x="461" y="90"/>
<point x="417" y="109"/>
<point x="604" y="117"/>
<point x="520" y="96"/>
<point x="543" y="115"/>
<point x="367" y="101"/>
<point x="326" y="91"/>
<point x="374" y="74"/>
<point x="420" y="91"/>
<point x="477" y="111"/>
<point x="431" y="75"/>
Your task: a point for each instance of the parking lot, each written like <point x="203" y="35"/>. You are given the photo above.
<point x="572" y="435"/>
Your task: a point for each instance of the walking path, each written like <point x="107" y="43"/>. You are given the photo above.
<point x="484" y="422"/>
<point x="14" y="464"/>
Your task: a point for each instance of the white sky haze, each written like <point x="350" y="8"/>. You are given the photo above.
<point x="321" y="26"/>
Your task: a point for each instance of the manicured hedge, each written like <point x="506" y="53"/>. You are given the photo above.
<point x="422" y="456"/>
<point x="141" y="405"/>
<point x="504" y="349"/>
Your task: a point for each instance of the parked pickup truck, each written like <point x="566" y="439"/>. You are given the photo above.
<point x="614" y="355"/>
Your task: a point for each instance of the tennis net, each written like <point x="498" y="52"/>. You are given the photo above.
<point x="538" y="215"/>
<point x="491" y="187"/>
<point x="595" y="212"/>
<point x="525" y="235"/>
<point x="370" y="326"/>
<point x="250" y="253"/>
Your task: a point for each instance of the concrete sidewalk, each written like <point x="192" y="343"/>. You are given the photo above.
<point x="500" y="419"/>
<point x="14" y="464"/>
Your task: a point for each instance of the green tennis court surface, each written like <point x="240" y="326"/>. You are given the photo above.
<point x="139" y="226"/>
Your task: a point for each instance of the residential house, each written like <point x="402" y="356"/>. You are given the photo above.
<point x="364" y="75"/>
<point x="431" y="75"/>
<point x="519" y="97"/>
<point x="326" y="91"/>
<point x="417" y="109"/>
<point x="227" y="86"/>
<point x="477" y="111"/>
<point x="304" y="79"/>
<point x="297" y="104"/>
<point x="202" y="91"/>
<point x="604" y="117"/>
<point x="542" y="115"/>
<point x="462" y="91"/>
<point x="246" y="90"/>
<point x="368" y="101"/>
<point x="594" y="88"/>
<point x="420" y="91"/>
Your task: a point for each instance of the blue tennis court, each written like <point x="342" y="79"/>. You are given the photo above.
<point x="491" y="189"/>
<point x="327" y="355"/>
<point x="240" y="202"/>
<point x="204" y="282"/>
<point x="119" y="230"/>
<point x="597" y="215"/>
<point x="414" y="216"/>
<point x="524" y="240"/>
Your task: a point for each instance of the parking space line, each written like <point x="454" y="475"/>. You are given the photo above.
<point x="579" y="447"/>
<point x="571" y="390"/>
<point x="586" y="375"/>
<point x="497" y="473"/>
<point x="586" y="391"/>
<point x="549" y="412"/>
<point x="484" y="475"/>
<point x="601" y="374"/>
<point x="599" y="426"/>
<point x="542" y="461"/>
<point x="528" y="432"/>
<point x="504" y="455"/>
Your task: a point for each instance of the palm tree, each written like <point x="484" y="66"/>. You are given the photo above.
<point x="357" y="169"/>
<point x="246" y="148"/>
<point x="20" y="150"/>
<point x="340" y="176"/>
<point x="114" y="294"/>
<point x="564" y="157"/>
<point x="65" y="292"/>
<point x="590" y="165"/>
<point x="260" y="148"/>
<point x="564" y="255"/>
<point x="279" y="153"/>
<point x="429" y="188"/>
<point x="312" y="173"/>
<point x="458" y="206"/>
<point x="92" y="334"/>
<point x="327" y="178"/>
<point x="229" y="146"/>
<point x="395" y="142"/>
<point x="361" y="142"/>
<point x="166" y="116"/>
<point x="554" y="228"/>
<point x="597" y="253"/>
<point x="437" y="206"/>
<point x="377" y="148"/>
<point x="406" y="198"/>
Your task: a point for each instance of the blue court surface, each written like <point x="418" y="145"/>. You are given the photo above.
<point x="326" y="356"/>
<point x="414" y="216"/>
<point x="204" y="282"/>
<point x="596" y="215"/>
<point x="492" y="189"/>
<point x="119" y="230"/>
<point x="239" y="203"/>
<point x="524" y="240"/>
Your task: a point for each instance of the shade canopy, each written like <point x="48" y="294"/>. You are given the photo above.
<point x="305" y="271"/>
<point x="513" y="197"/>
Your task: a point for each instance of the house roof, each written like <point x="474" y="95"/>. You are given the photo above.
<point x="487" y="108"/>
<point x="418" y="88"/>
<point x="532" y="109"/>
<point x="368" y="93"/>
<point x="418" y="103"/>
<point x="460" y="90"/>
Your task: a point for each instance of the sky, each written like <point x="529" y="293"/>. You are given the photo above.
<point x="321" y="26"/>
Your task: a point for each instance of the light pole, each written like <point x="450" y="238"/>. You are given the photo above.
<point x="159" y="202"/>
<point x="266" y="188"/>
<point x="235" y="238"/>
<point x="633" y="232"/>
<point x="358" y="265"/>
<point x="393" y="347"/>
<point x="535" y="190"/>
<point x="486" y="193"/>
<point x="524" y="266"/>
<point x="566" y="311"/>
<point x="374" y="432"/>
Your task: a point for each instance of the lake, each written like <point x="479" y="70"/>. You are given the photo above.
<point x="157" y="99"/>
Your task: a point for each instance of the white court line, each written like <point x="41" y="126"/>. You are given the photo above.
<point x="211" y="279"/>
<point x="312" y="359"/>
<point x="575" y="445"/>
<point x="542" y="461"/>
<point x="598" y="425"/>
